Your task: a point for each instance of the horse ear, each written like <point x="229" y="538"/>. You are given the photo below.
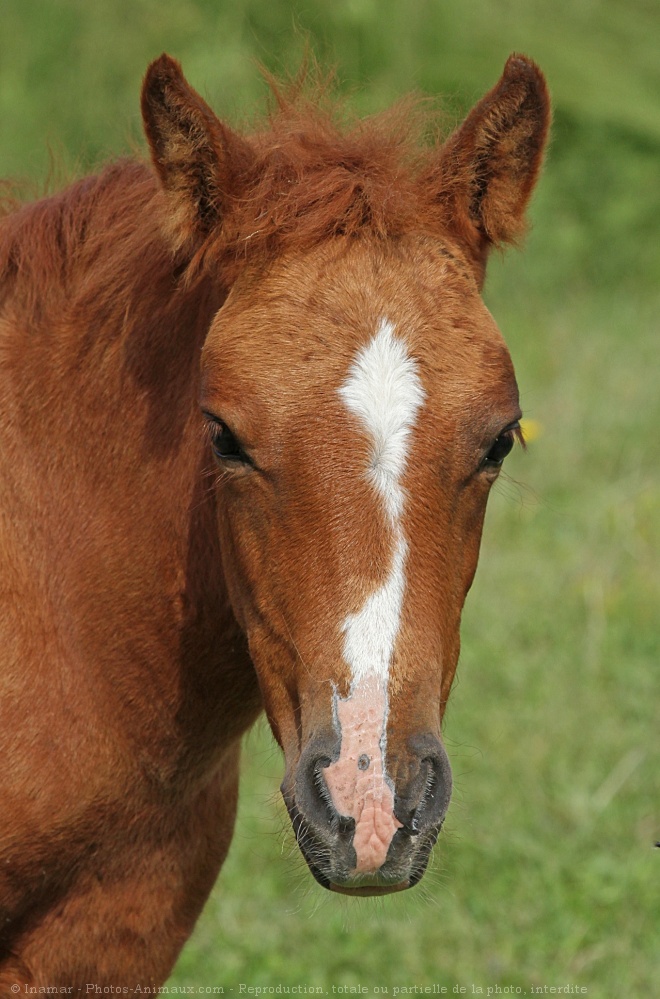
<point x="200" y="162"/>
<point x="488" y="167"/>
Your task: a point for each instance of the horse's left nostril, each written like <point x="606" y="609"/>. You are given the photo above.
<point x="423" y="804"/>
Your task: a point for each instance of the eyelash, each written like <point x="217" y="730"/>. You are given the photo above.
<point x="224" y="444"/>
<point x="227" y="448"/>
<point x="502" y="446"/>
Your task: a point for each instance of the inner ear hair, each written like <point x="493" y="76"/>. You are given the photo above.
<point x="196" y="157"/>
<point x="490" y="164"/>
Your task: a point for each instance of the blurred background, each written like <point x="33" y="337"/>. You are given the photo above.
<point x="545" y="873"/>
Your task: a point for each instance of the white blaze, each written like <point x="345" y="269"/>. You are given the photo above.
<point x="385" y="392"/>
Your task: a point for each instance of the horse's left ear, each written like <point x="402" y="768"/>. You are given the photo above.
<point x="488" y="167"/>
<point x="200" y="162"/>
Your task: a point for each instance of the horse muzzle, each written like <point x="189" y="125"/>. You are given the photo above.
<point x="360" y="831"/>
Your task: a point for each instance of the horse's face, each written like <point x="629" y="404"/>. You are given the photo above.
<point x="360" y="401"/>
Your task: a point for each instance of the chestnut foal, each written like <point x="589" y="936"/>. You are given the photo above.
<point x="252" y="406"/>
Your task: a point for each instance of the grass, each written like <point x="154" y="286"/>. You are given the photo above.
<point x="545" y="873"/>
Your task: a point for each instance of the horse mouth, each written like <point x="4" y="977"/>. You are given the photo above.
<point x="367" y="890"/>
<point x="327" y="848"/>
<point x="361" y="886"/>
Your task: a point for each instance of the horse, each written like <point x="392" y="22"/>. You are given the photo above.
<point x="252" y="407"/>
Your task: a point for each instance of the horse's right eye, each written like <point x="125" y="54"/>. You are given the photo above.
<point x="224" y="444"/>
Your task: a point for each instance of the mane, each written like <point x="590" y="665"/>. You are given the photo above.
<point x="322" y="172"/>
<point x="319" y="173"/>
<point x="90" y="229"/>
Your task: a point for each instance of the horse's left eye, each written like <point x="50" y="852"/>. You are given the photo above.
<point x="224" y="444"/>
<point x="500" y="448"/>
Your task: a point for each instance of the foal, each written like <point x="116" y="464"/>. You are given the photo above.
<point x="252" y="406"/>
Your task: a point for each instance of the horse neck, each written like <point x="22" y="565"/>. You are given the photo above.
<point x="115" y="511"/>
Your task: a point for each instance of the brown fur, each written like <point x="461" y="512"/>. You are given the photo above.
<point x="307" y="177"/>
<point x="149" y="606"/>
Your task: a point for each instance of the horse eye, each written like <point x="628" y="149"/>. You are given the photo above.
<point x="500" y="448"/>
<point x="224" y="444"/>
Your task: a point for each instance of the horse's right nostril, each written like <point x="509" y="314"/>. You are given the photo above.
<point x="321" y="787"/>
<point x="311" y="789"/>
<point x="342" y="825"/>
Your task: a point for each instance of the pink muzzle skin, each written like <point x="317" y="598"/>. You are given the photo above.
<point x="357" y="782"/>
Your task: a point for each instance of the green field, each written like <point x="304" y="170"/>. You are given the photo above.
<point x="545" y="873"/>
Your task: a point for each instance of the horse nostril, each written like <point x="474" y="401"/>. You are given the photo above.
<point x="310" y="789"/>
<point x="423" y="804"/>
<point x="428" y="795"/>
<point x="319" y="765"/>
<point x="320" y="785"/>
<point x="434" y="800"/>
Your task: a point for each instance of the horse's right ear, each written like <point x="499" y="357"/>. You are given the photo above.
<point x="200" y="162"/>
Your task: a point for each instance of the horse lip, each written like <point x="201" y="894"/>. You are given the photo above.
<point x="317" y="875"/>
<point x="366" y="890"/>
<point x="360" y="885"/>
<point x="376" y="884"/>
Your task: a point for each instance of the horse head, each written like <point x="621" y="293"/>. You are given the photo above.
<point x="359" y="401"/>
